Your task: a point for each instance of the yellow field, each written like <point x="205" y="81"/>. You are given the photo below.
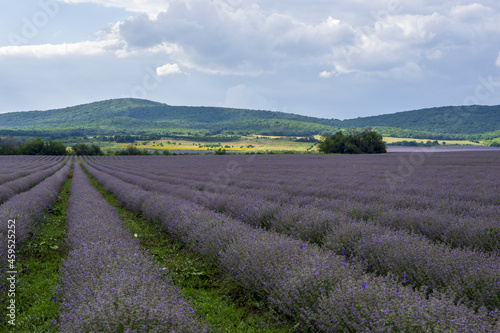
<point x="256" y="143"/>
<point x="448" y="142"/>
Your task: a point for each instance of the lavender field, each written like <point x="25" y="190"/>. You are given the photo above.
<point x="400" y="242"/>
<point x="339" y="242"/>
<point x="30" y="186"/>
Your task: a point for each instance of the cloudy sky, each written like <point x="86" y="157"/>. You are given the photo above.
<point x="331" y="59"/>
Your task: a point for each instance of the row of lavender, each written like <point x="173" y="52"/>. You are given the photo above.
<point x="107" y="283"/>
<point x="27" y="208"/>
<point x="453" y="217"/>
<point x="449" y="177"/>
<point x="10" y="188"/>
<point x="13" y="163"/>
<point x="9" y="163"/>
<point x="413" y="259"/>
<point x="316" y="287"/>
<point x="13" y="168"/>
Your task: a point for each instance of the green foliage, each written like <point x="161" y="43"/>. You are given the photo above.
<point x="220" y="151"/>
<point x="204" y="138"/>
<point x="33" y="147"/>
<point x="123" y="138"/>
<point x="54" y="148"/>
<point x="414" y="143"/>
<point x="365" y="142"/>
<point x="10" y="146"/>
<point x="84" y="149"/>
<point x="306" y="139"/>
<point x="131" y="150"/>
<point x="474" y="119"/>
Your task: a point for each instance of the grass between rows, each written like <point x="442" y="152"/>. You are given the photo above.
<point x="215" y="297"/>
<point x="37" y="265"/>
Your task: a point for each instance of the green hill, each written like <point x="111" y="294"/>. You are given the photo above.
<point x="135" y="116"/>
<point x="451" y="119"/>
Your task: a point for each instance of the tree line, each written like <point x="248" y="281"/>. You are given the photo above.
<point x="36" y="146"/>
<point x="11" y="146"/>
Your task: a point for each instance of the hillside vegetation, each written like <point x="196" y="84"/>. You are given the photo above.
<point x="135" y="116"/>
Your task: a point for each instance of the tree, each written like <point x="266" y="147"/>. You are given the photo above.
<point x="333" y="144"/>
<point x="9" y="146"/>
<point x="54" y="148"/>
<point x="372" y="143"/>
<point x="132" y="150"/>
<point x="95" y="150"/>
<point x="220" y="151"/>
<point x="32" y="147"/>
<point x="83" y="149"/>
<point x="365" y="142"/>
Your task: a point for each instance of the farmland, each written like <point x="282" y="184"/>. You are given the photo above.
<point x="403" y="242"/>
<point x="243" y="144"/>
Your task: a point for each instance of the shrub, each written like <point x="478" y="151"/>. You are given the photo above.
<point x="365" y="142"/>
<point x="83" y="149"/>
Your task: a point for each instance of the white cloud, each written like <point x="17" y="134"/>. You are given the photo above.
<point x="168" y="69"/>
<point x="51" y="50"/>
<point x="219" y="37"/>
<point x="498" y="60"/>
<point x="111" y="46"/>
<point x="164" y="48"/>
<point x="326" y="74"/>
<point x="242" y="38"/>
<point x="150" y="7"/>
<point x="470" y="13"/>
<point x="403" y="44"/>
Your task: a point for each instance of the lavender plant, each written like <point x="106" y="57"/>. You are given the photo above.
<point x="476" y="225"/>
<point x="474" y="277"/>
<point x="108" y="283"/>
<point x="27" y="208"/>
<point x="415" y="260"/>
<point x="301" y="279"/>
<point x="18" y="185"/>
<point x="12" y="169"/>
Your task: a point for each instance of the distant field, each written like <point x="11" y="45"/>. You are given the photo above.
<point x="251" y="143"/>
<point x="247" y="143"/>
<point x="448" y="142"/>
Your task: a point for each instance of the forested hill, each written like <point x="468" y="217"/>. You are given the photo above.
<point x="143" y="116"/>
<point x="450" y="119"/>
